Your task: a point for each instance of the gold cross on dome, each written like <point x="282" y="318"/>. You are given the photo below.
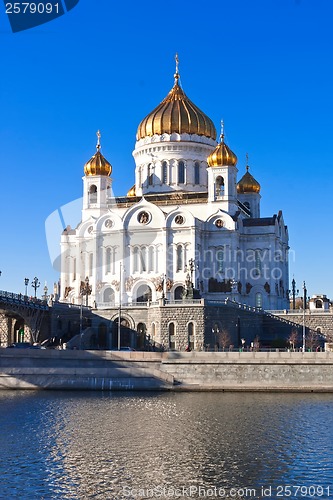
<point x="98" y="146"/>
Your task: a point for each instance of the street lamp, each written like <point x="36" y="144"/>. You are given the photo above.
<point x="294" y="291"/>
<point x="304" y="307"/>
<point x="216" y="331"/>
<point x="35" y="284"/>
<point x="233" y="283"/>
<point x="26" y="283"/>
<point x="86" y="290"/>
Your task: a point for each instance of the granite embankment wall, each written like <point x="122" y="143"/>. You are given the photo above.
<point x="111" y="370"/>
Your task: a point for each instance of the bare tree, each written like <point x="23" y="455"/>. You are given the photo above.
<point x="224" y="338"/>
<point x="293" y="338"/>
<point x="312" y="340"/>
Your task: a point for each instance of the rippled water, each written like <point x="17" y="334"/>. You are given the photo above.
<point x="65" y="445"/>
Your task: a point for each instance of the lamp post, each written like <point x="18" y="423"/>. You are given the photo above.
<point x="26" y="283"/>
<point x="294" y="291"/>
<point x="84" y="290"/>
<point x="120" y="299"/>
<point x="304" y="307"/>
<point x="215" y="331"/>
<point x="233" y="283"/>
<point x="35" y="284"/>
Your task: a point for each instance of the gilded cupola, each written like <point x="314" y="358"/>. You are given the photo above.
<point x="248" y="184"/>
<point x="98" y="165"/>
<point x="132" y="192"/>
<point x="222" y="156"/>
<point x="176" y="114"/>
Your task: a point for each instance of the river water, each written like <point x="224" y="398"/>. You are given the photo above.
<point x="80" y="445"/>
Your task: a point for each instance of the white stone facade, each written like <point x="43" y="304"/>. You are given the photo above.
<point x="185" y="223"/>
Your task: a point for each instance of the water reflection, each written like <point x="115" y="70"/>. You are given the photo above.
<point x="93" y="445"/>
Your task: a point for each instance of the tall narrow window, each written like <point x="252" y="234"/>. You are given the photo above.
<point x="108" y="260"/>
<point x="172" y="343"/>
<point x="93" y="194"/>
<point x="220" y="259"/>
<point x="180" y="258"/>
<point x="219" y="186"/>
<point x="196" y="173"/>
<point x="258" y="300"/>
<point x="91" y="263"/>
<point x="164" y="172"/>
<point x="190" y="335"/>
<point x="181" y="172"/>
<point x="151" y="259"/>
<point x="150" y="174"/>
<point x="143" y="259"/>
<point x="257" y="270"/>
<point x="74" y="269"/>
<point x="136" y="260"/>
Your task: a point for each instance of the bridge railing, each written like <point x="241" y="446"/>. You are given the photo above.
<point x="19" y="299"/>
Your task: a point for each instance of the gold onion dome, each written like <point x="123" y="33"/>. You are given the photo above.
<point x="98" y="165"/>
<point x="132" y="192"/>
<point x="176" y="114"/>
<point x="248" y="184"/>
<point x="222" y="156"/>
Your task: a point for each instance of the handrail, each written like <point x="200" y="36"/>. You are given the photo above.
<point x="18" y="298"/>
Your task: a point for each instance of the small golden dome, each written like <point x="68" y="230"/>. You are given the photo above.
<point x="132" y="192"/>
<point x="248" y="184"/>
<point x="222" y="156"/>
<point x="98" y="165"/>
<point x="176" y="114"/>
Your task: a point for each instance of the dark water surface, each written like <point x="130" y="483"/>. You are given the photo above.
<point x="67" y="445"/>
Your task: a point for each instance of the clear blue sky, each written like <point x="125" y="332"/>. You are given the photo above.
<point x="263" y="66"/>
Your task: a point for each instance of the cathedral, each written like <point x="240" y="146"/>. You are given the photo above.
<point x="189" y="229"/>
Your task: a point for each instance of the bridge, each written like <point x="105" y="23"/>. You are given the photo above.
<point x="20" y="317"/>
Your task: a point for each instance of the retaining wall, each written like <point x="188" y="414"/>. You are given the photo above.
<point x="110" y="370"/>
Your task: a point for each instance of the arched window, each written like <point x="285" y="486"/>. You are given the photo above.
<point x="180" y="258"/>
<point x="91" y="263"/>
<point x="219" y="259"/>
<point x="181" y="172"/>
<point x="219" y="186"/>
<point x="179" y="293"/>
<point x="151" y="259"/>
<point x="108" y="260"/>
<point x="74" y="269"/>
<point x="190" y="335"/>
<point x="172" y="340"/>
<point x="153" y="330"/>
<point x="135" y="260"/>
<point x="259" y="300"/>
<point x="93" y="194"/>
<point x="257" y="270"/>
<point x="143" y="259"/>
<point x="108" y="296"/>
<point x="197" y="173"/>
<point x="150" y="174"/>
<point x="319" y="304"/>
<point x="144" y="293"/>
<point x="164" y="172"/>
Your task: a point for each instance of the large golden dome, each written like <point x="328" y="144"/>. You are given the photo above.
<point x="222" y="156"/>
<point x="176" y="113"/>
<point x="98" y="165"/>
<point x="248" y="184"/>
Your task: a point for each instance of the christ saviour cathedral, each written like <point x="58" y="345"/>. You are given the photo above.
<point x="189" y="231"/>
